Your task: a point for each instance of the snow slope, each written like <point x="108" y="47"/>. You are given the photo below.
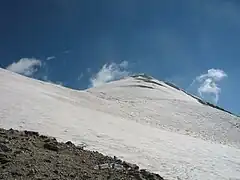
<point x="141" y="120"/>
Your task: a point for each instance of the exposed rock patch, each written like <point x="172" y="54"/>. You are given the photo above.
<point x="28" y="155"/>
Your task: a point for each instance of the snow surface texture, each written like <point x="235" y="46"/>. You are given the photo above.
<point x="141" y="120"/>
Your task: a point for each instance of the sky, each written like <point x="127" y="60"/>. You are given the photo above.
<point x="81" y="44"/>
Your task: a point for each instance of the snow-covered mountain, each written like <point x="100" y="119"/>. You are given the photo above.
<point x="139" y="119"/>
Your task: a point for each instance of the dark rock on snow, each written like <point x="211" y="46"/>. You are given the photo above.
<point x="31" y="133"/>
<point x="28" y="155"/>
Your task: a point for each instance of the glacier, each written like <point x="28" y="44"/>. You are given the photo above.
<point x="139" y="119"/>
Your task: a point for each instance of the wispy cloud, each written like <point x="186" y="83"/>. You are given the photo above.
<point x="109" y="72"/>
<point x="88" y="70"/>
<point x="123" y="64"/>
<point x="66" y="51"/>
<point x="208" y="83"/>
<point x="80" y="76"/>
<point x="58" y="83"/>
<point x="50" y="58"/>
<point x="45" y="78"/>
<point x="25" y="66"/>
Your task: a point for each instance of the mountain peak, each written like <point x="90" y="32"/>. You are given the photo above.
<point x="148" y="78"/>
<point x="143" y="75"/>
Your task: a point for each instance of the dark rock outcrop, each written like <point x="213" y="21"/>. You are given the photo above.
<point x="28" y="155"/>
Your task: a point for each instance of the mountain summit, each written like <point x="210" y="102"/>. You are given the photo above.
<point x="138" y="118"/>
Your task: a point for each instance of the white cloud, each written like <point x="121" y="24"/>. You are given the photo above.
<point x="208" y="83"/>
<point x="50" y="58"/>
<point x="124" y="64"/>
<point x="215" y="74"/>
<point x="25" y="66"/>
<point x="110" y="72"/>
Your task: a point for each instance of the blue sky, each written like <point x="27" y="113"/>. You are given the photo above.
<point x="192" y="43"/>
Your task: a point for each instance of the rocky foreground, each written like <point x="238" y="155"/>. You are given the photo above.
<point x="28" y="155"/>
